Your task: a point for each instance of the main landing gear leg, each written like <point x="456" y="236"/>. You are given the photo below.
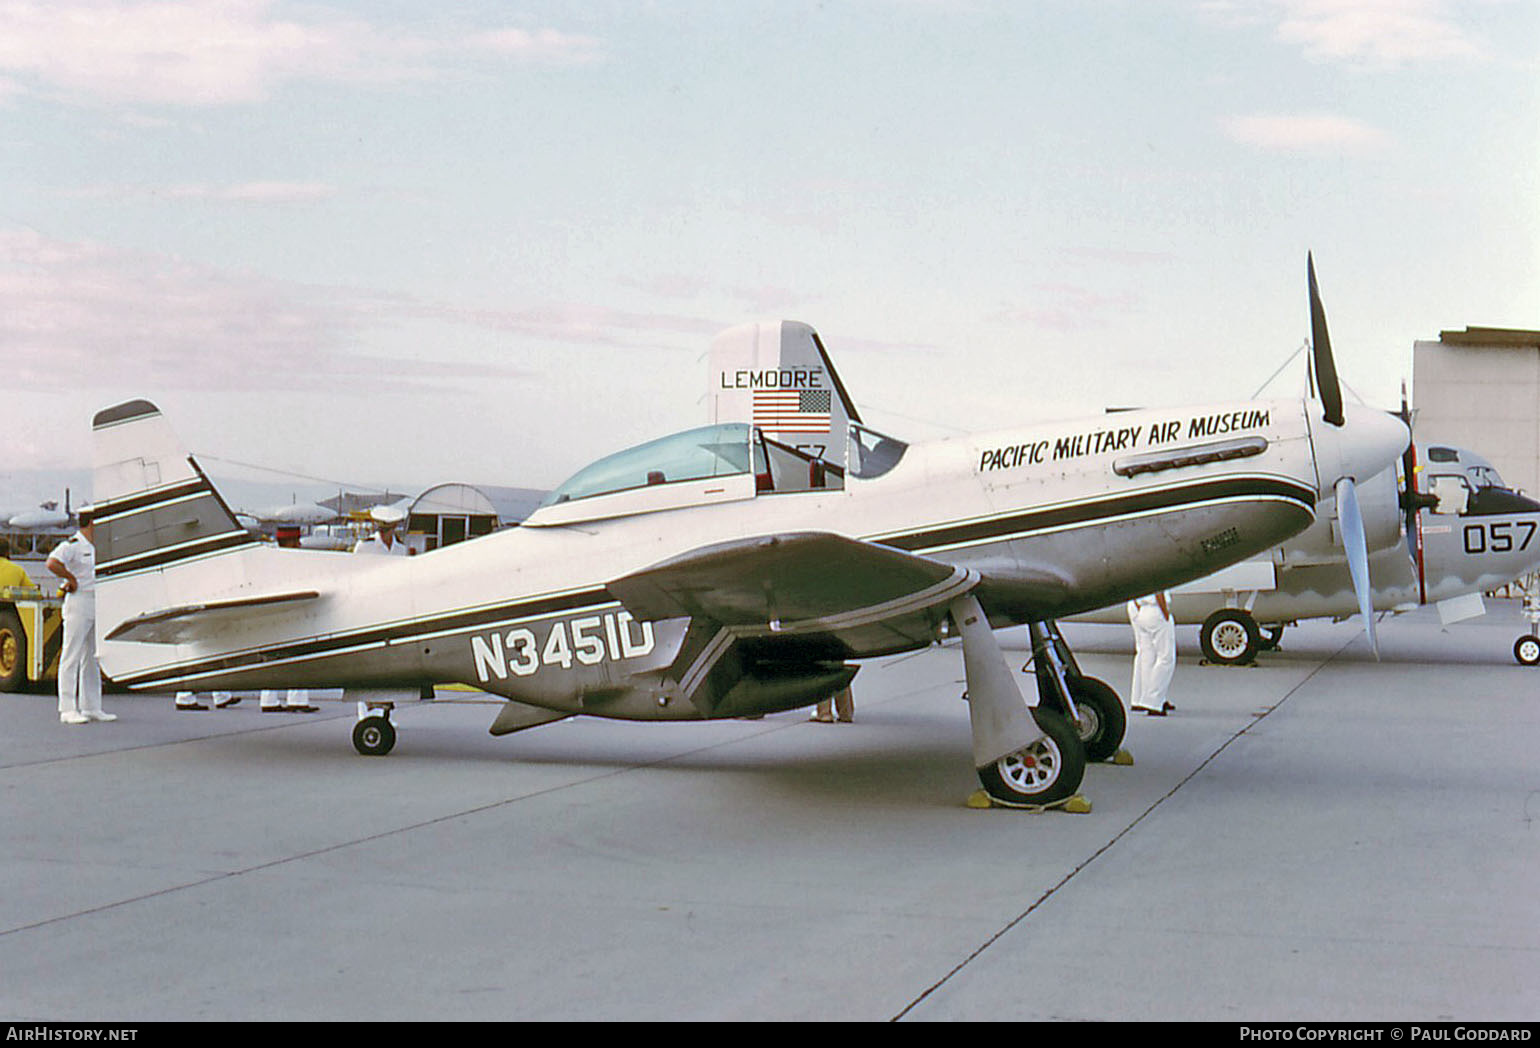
<point x="1090" y="704"/>
<point x="1025" y="757"/>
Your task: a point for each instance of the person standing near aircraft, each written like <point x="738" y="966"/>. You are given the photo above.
<point x="11" y="573"/>
<point x="295" y="700"/>
<point x="80" y="678"/>
<point x="841" y="705"/>
<point x="188" y="700"/>
<point x="1154" y="653"/>
<point x="384" y="541"/>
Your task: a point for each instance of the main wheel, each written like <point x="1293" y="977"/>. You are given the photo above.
<point x="13" y="651"/>
<point x="1103" y="721"/>
<point x="1230" y="637"/>
<point x="1527" y="650"/>
<point x="374" y="736"/>
<point x="1045" y="772"/>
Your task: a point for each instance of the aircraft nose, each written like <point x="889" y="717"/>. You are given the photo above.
<point x="1367" y="443"/>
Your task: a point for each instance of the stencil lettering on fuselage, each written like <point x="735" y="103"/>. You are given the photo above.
<point x="586" y="640"/>
<point x="1122" y="438"/>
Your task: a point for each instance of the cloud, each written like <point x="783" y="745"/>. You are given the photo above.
<point x="1376" y="32"/>
<point x="1373" y="33"/>
<point x="110" y="318"/>
<point x="221" y="52"/>
<point x="1303" y="133"/>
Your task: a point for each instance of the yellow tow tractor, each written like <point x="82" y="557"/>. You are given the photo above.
<point x="31" y="636"/>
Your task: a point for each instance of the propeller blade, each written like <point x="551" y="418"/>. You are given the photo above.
<point x="1320" y="339"/>
<point x="1350" y="519"/>
<point x="1409" y="472"/>
<point x="1413" y="501"/>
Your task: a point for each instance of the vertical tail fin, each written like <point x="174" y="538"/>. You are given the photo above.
<point x="778" y="376"/>
<point x="153" y="505"/>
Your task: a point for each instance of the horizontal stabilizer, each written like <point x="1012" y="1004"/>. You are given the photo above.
<point x="189" y="622"/>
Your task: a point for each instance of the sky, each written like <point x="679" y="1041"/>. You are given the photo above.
<point x="415" y="242"/>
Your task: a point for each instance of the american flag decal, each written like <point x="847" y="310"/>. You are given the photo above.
<point x="792" y="410"/>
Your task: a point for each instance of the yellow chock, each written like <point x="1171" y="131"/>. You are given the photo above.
<point x="1123" y="758"/>
<point x="1076" y="804"/>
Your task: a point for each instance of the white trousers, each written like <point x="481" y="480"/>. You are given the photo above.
<point x="295" y="697"/>
<point x="1154" y="659"/>
<point x="80" y="678"/>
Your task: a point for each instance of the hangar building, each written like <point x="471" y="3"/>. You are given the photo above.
<point x="450" y="513"/>
<point x="1480" y="388"/>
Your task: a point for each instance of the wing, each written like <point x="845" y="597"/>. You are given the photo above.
<point x="773" y="618"/>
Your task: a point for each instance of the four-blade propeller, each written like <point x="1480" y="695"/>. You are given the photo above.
<point x="1349" y="517"/>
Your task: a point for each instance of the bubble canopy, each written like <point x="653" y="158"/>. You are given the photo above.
<point x="695" y="454"/>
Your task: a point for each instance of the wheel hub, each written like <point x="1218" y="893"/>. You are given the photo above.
<point x="1230" y="639"/>
<point x="1033" y="769"/>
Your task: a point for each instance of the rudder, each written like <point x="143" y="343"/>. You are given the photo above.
<point x="153" y="506"/>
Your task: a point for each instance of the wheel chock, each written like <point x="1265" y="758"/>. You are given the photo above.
<point x="1076" y="804"/>
<point x="1122" y="758"/>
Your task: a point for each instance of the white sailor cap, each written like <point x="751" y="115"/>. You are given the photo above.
<point x="387" y="516"/>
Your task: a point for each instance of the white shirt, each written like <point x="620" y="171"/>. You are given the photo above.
<point x="78" y="555"/>
<point x="373" y="545"/>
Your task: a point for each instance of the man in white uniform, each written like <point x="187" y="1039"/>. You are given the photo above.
<point x="1154" y="654"/>
<point x="384" y="540"/>
<point x="295" y="700"/>
<point x="80" y="678"/>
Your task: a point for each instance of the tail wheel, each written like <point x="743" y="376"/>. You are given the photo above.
<point x="374" y="736"/>
<point x="1102" y="722"/>
<point x="1230" y="637"/>
<point x="1046" y="772"/>
<point x="13" y="651"/>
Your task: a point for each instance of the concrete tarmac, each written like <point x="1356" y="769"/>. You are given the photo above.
<point x="1321" y="837"/>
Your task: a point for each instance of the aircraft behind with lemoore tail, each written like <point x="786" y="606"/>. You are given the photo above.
<point x="720" y="573"/>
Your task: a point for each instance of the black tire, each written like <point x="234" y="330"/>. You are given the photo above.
<point x="1230" y="637"/>
<point x="374" y="736"/>
<point x="1526" y="650"/>
<point x="1103" y="721"/>
<point x="1271" y="637"/>
<point x="1046" y="772"/>
<point x="13" y="651"/>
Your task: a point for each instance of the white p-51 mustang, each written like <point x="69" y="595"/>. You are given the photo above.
<point x="720" y="573"/>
